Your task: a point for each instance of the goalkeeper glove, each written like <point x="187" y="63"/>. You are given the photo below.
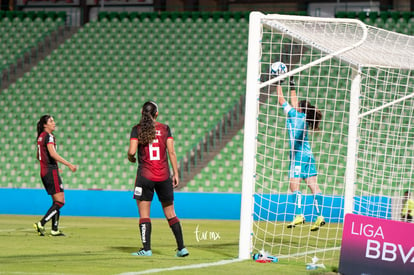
<point x="292" y="83"/>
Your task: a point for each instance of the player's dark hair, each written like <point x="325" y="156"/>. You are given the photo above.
<point x="146" y="133"/>
<point x="313" y="115"/>
<point x="41" y="124"/>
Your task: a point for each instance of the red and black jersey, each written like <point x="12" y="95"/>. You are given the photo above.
<point x="43" y="155"/>
<point x="152" y="158"/>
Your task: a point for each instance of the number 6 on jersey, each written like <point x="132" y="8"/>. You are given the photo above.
<point x="154" y="152"/>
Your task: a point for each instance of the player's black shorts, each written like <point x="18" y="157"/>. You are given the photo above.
<point x="144" y="189"/>
<point x="52" y="182"/>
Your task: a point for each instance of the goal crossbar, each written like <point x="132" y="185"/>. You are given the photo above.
<point x="295" y="35"/>
<point x="374" y="48"/>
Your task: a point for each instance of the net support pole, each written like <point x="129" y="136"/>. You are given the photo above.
<point x="250" y="135"/>
<point x="352" y="144"/>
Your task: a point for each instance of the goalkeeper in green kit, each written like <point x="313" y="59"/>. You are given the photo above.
<point x="302" y="117"/>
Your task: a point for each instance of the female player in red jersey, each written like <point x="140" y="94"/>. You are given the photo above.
<point x="49" y="172"/>
<point x="152" y="141"/>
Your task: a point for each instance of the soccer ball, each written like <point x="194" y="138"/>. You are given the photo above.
<point x="278" y="68"/>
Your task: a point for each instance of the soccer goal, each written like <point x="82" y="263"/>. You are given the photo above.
<point x="361" y="79"/>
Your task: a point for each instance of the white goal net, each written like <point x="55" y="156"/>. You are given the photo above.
<point x="360" y="78"/>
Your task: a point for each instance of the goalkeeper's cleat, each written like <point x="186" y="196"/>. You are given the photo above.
<point x="299" y="219"/>
<point x="56" y="233"/>
<point x="39" y="229"/>
<point x="182" y="253"/>
<point x="142" y="252"/>
<point x="320" y="221"/>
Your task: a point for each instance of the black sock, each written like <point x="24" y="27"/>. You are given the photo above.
<point x="178" y="233"/>
<point x="55" y="221"/>
<point x="145" y="230"/>
<point x="53" y="210"/>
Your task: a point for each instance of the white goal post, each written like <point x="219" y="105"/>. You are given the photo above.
<point x="360" y="78"/>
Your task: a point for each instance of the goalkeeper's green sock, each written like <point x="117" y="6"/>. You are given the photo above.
<point x="297" y="195"/>
<point x="317" y="203"/>
<point x="178" y="233"/>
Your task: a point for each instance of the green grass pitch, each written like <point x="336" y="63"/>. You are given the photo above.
<point x="103" y="246"/>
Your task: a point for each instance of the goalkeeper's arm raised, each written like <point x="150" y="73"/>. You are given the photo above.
<point x="293" y="96"/>
<point x="280" y="96"/>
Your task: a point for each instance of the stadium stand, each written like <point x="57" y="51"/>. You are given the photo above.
<point x="193" y="64"/>
<point x="24" y="34"/>
<point x="96" y="82"/>
<point x="223" y="173"/>
<point x="401" y="22"/>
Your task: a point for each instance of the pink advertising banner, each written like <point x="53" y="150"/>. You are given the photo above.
<point x="374" y="246"/>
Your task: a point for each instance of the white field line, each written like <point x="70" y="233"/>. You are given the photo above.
<point x="194" y="266"/>
<point x="223" y="262"/>
<point x="32" y="273"/>
<point x="14" y="230"/>
<point x="22" y="230"/>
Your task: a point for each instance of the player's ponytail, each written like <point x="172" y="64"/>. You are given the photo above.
<point x="313" y="115"/>
<point x="146" y="132"/>
<point x="41" y="124"/>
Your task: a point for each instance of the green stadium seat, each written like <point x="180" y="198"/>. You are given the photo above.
<point x="395" y="15"/>
<point x="362" y="15"/>
<point x="384" y="15"/>
<point x="99" y="77"/>
<point x="373" y="16"/>
<point x="351" y="14"/>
